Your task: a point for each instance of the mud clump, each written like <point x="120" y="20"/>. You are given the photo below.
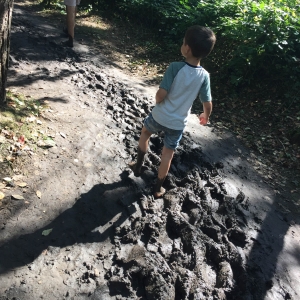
<point x="187" y="244"/>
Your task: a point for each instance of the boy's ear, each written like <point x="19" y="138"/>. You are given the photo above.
<point x="188" y="49"/>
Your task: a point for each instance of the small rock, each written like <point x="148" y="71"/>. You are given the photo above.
<point x="96" y="272"/>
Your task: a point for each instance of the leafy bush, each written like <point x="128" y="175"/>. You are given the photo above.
<point x="257" y="40"/>
<point x="261" y="40"/>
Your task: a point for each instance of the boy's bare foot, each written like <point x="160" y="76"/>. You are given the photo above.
<point x="132" y="166"/>
<point x="160" y="193"/>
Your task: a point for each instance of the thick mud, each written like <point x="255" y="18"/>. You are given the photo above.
<point x="97" y="232"/>
<point x="188" y="244"/>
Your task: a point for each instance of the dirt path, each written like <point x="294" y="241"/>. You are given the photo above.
<point x="96" y="232"/>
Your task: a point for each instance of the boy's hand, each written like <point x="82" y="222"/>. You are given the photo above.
<point x="203" y="119"/>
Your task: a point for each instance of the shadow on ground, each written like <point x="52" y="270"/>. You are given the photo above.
<point x="100" y="208"/>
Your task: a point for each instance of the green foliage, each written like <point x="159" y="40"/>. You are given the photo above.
<point x="261" y="39"/>
<point x="257" y="40"/>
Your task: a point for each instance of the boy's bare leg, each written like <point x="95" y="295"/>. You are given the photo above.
<point x="144" y="139"/>
<point x="165" y="163"/>
<point x="142" y="149"/>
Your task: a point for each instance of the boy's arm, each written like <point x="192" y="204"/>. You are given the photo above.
<point x="207" y="109"/>
<point x="160" y="95"/>
<point x="205" y="97"/>
<point x="167" y="81"/>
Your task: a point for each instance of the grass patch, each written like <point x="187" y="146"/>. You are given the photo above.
<point x="20" y="130"/>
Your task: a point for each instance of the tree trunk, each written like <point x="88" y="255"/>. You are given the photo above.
<point x="6" y="7"/>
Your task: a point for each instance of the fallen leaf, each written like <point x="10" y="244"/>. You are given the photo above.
<point x="46" y="232"/>
<point x="7" y="179"/>
<point x="22" y="184"/>
<point x="19" y="145"/>
<point x="31" y="119"/>
<point x="18" y="197"/>
<point x="1" y="195"/>
<point x="41" y="143"/>
<point x="6" y="133"/>
<point x="39" y="194"/>
<point x="21" y="139"/>
<point x="46" y="143"/>
<point x="50" y="143"/>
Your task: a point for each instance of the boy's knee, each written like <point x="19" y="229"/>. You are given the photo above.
<point x="146" y="131"/>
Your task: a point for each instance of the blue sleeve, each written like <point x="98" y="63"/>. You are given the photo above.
<point x="170" y="74"/>
<point x="205" y="92"/>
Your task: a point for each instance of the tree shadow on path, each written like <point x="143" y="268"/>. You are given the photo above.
<point x="273" y="254"/>
<point x="99" y="210"/>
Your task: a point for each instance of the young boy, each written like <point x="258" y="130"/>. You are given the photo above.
<point x="182" y="83"/>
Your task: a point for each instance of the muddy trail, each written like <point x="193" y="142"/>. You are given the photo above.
<point x="97" y="232"/>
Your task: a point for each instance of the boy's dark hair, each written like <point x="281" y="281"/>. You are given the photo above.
<point x="200" y="39"/>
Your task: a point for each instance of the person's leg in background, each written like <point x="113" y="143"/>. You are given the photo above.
<point x="71" y="10"/>
<point x="71" y="13"/>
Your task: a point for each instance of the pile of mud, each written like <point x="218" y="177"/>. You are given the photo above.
<point x="188" y="244"/>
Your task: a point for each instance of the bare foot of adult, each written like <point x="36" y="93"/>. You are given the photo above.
<point x="68" y="43"/>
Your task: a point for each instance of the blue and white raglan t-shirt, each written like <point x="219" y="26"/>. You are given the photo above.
<point x="184" y="84"/>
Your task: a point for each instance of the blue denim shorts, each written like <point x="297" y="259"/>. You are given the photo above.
<point x="172" y="137"/>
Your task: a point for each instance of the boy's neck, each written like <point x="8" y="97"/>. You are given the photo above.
<point x="193" y="61"/>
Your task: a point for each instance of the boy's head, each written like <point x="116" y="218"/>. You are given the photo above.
<point x="201" y="40"/>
